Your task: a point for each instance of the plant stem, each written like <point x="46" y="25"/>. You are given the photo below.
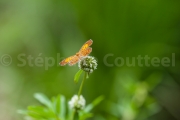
<point x="82" y="83"/>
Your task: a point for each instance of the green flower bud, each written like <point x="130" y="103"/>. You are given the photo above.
<point x="88" y="64"/>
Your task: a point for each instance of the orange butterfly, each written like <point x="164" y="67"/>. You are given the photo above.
<point x="84" y="51"/>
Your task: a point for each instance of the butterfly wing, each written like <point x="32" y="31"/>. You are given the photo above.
<point x="74" y="60"/>
<point x="85" y="52"/>
<point x="85" y="49"/>
<point x="65" y="61"/>
<point x="86" y="45"/>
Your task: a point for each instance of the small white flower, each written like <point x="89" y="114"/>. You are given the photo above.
<point x="77" y="103"/>
<point x="88" y="64"/>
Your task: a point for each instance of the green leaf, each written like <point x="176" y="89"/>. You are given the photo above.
<point x="87" y="76"/>
<point x="43" y="99"/>
<point x="35" y="112"/>
<point x="54" y="102"/>
<point x="63" y="107"/>
<point x="84" y="116"/>
<point x="76" y="77"/>
<point x="40" y="112"/>
<point x="59" y="107"/>
<point x="34" y="115"/>
<point x="89" y="107"/>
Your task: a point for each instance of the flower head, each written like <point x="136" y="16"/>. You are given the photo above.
<point x="77" y="103"/>
<point x="88" y="64"/>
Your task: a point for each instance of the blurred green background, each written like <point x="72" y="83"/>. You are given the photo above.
<point x="124" y="28"/>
